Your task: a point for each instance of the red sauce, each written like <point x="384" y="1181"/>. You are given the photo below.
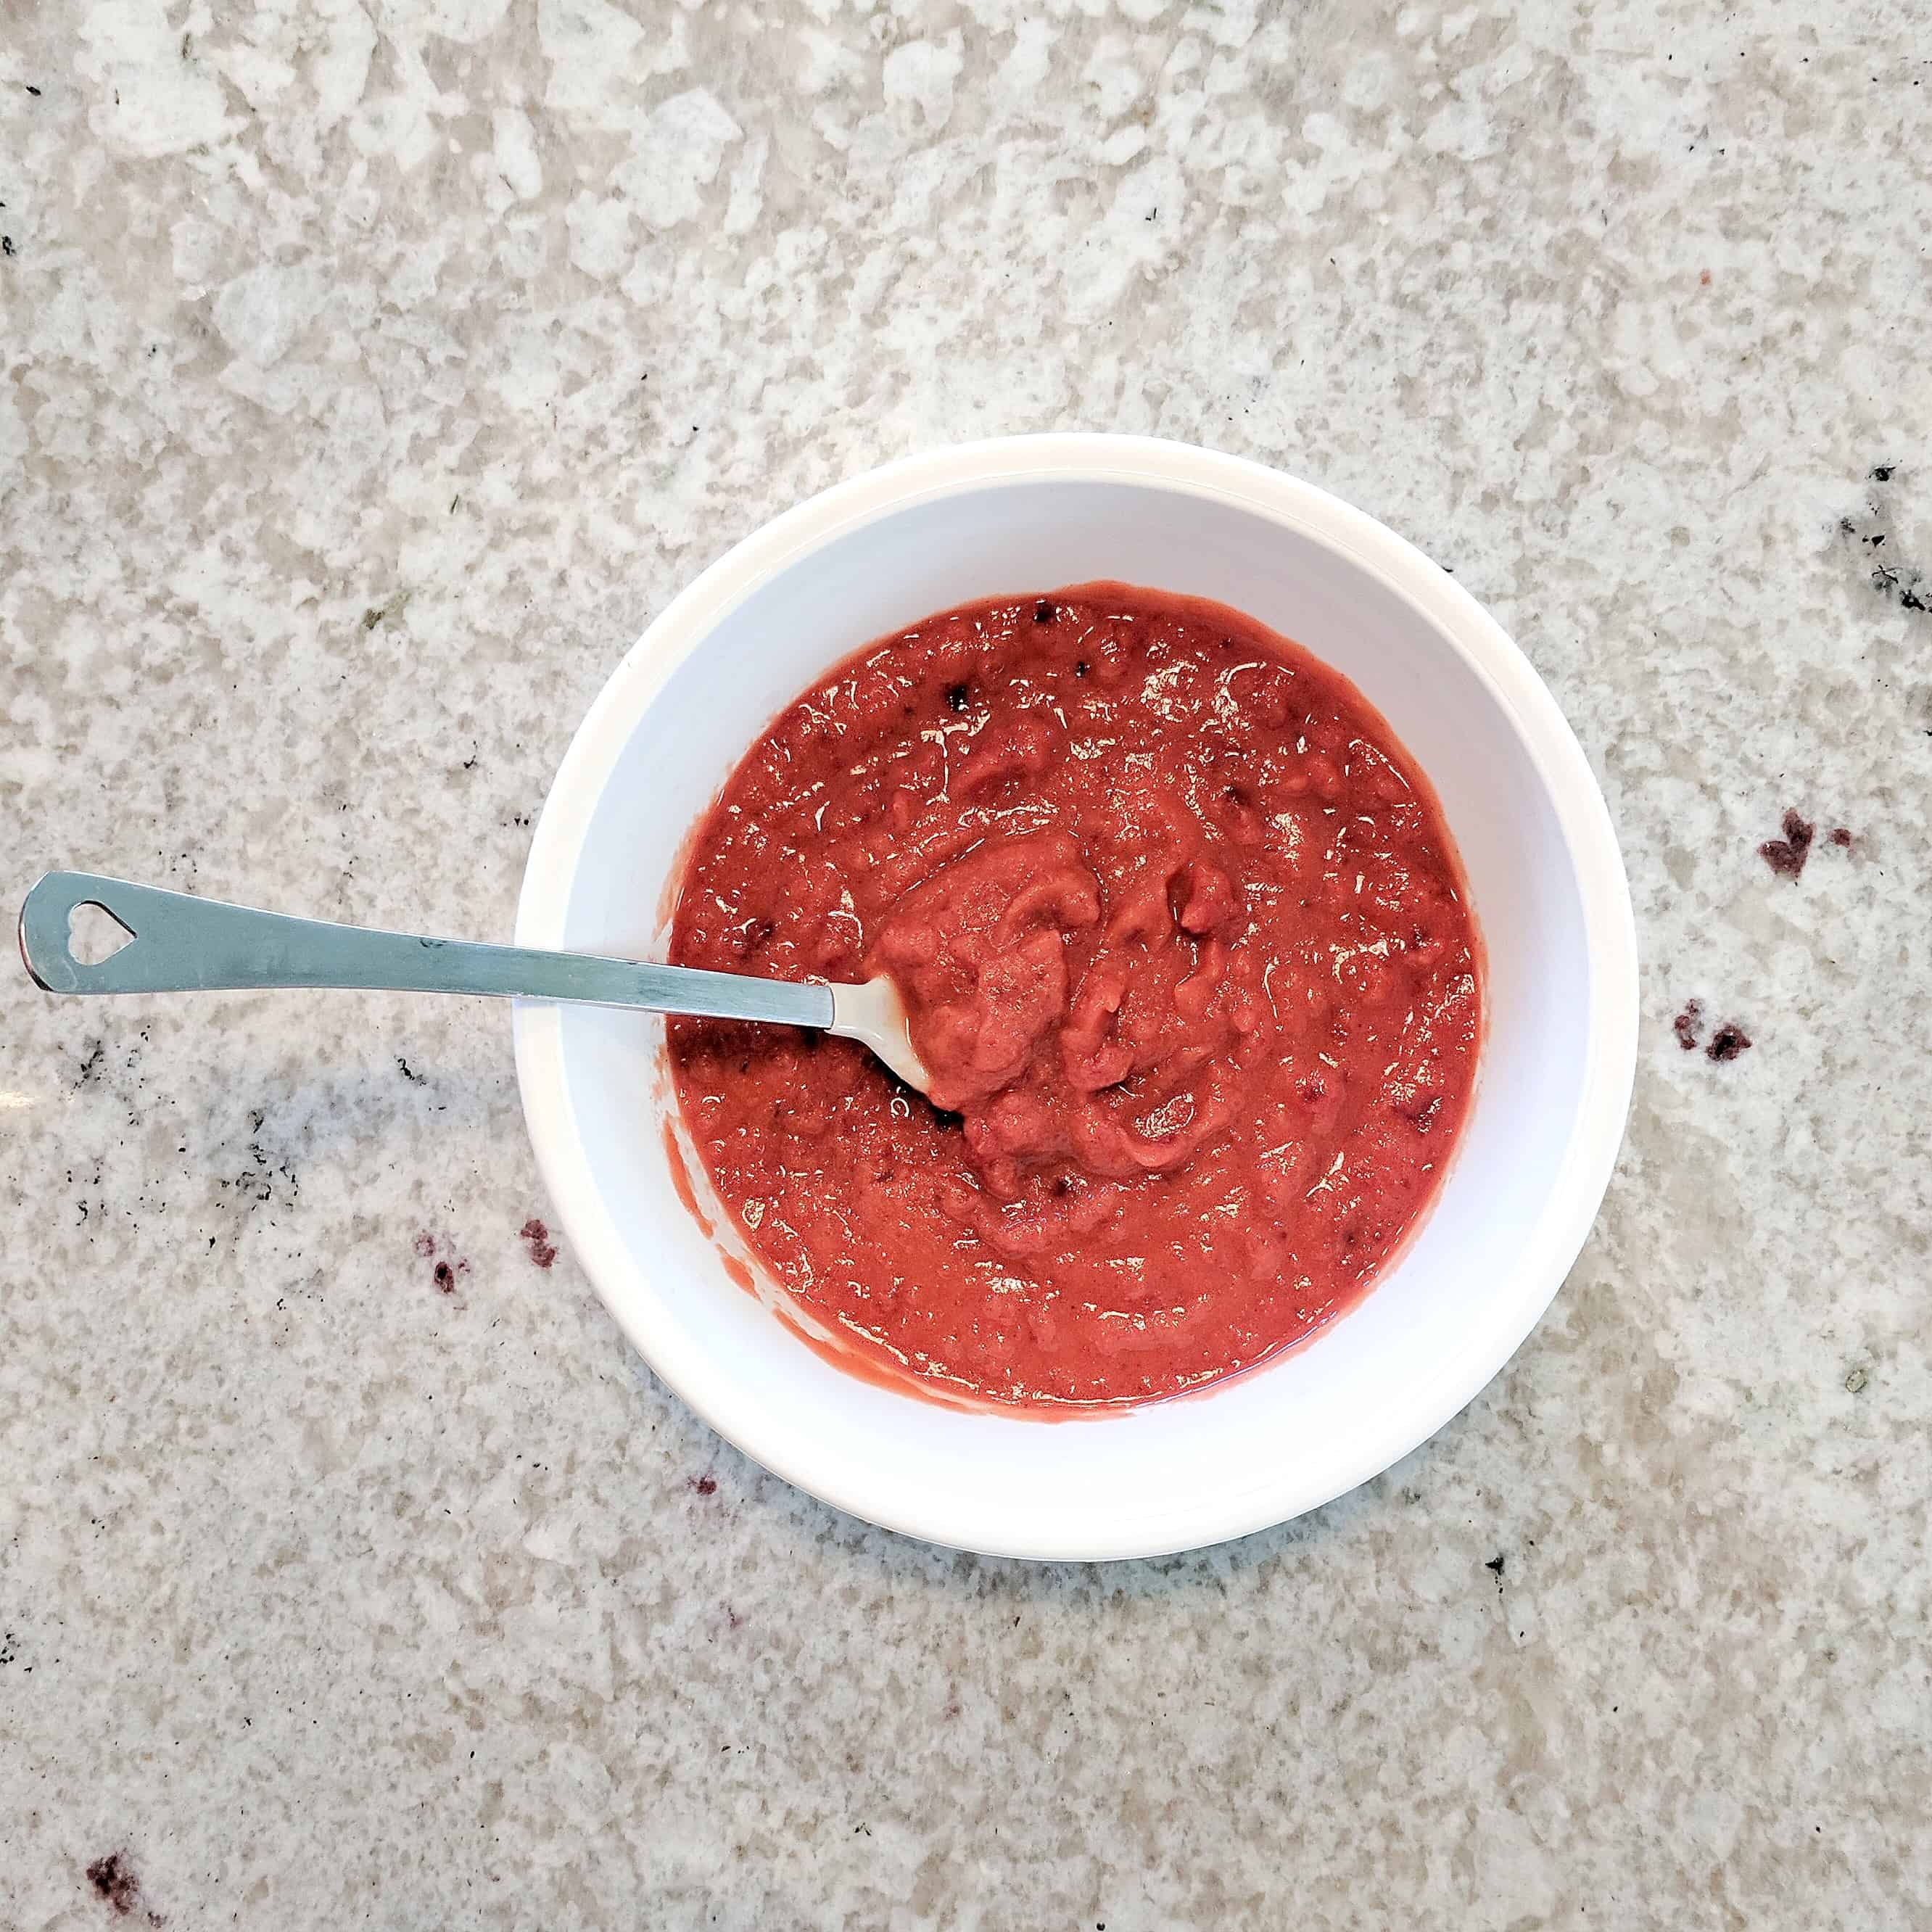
<point x="1185" y="948"/>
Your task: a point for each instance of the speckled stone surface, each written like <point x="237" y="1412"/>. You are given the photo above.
<point x="372" y="375"/>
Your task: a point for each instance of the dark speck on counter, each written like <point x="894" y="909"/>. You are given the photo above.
<point x="1899" y="582"/>
<point x="114" y="1883"/>
<point x="1727" y="1043"/>
<point x="446" y="1271"/>
<point x="1903" y="582"/>
<point x="1786" y="856"/>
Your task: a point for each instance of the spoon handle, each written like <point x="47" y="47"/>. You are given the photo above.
<point x="180" y="943"/>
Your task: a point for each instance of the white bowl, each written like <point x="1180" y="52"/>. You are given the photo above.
<point x="1030" y="514"/>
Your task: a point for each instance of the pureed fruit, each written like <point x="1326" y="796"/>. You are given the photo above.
<point x="1184" y="941"/>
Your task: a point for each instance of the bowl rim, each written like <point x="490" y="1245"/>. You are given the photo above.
<point x="620" y="1276"/>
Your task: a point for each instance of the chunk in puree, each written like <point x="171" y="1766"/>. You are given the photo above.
<point x="1186" y="950"/>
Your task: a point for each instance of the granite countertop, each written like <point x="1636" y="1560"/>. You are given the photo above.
<point x="373" y="373"/>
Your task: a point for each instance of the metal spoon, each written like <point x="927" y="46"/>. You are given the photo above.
<point x="180" y="943"/>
